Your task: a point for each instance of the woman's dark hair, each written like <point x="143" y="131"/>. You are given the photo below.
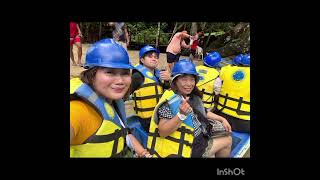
<point x="89" y="75"/>
<point x="195" y="90"/>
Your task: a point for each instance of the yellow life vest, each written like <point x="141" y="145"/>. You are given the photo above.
<point x="207" y="78"/>
<point x="177" y="144"/>
<point x="234" y="98"/>
<point x="148" y="94"/>
<point x="109" y="140"/>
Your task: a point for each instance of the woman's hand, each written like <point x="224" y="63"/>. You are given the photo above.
<point x="225" y="124"/>
<point x="185" y="108"/>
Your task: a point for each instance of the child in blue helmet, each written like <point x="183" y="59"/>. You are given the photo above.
<point x="98" y="126"/>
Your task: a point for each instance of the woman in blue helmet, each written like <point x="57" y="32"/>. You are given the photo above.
<point x="180" y="125"/>
<point x="98" y="125"/>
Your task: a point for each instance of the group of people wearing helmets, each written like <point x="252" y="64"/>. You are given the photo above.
<point x="184" y="113"/>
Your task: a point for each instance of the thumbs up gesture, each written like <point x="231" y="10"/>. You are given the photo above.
<point x="165" y="74"/>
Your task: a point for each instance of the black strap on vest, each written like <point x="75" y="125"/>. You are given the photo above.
<point x="147" y="85"/>
<point x="240" y="102"/>
<point x="154" y="152"/>
<point x="109" y="137"/>
<point x="207" y="102"/>
<point x="209" y="81"/>
<point x="135" y="102"/>
<point x="157" y="96"/>
<point x="118" y="155"/>
<point x="143" y="109"/>
<point x="211" y="95"/>
<point x="180" y="141"/>
<point x="135" y="98"/>
<point x="153" y="143"/>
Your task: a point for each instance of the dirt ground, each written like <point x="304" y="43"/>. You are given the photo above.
<point x="134" y="57"/>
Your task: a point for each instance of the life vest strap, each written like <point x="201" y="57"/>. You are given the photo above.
<point x="153" y="152"/>
<point x="207" y="102"/>
<point x="135" y="102"/>
<point x="143" y="109"/>
<point x="157" y="94"/>
<point x="148" y="85"/>
<point x="118" y="155"/>
<point x="153" y="143"/>
<point x="240" y="101"/>
<point x="209" y="81"/>
<point x="233" y="99"/>
<point x="181" y="140"/>
<point x="107" y="138"/>
<point x="148" y="97"/>
<point x="183" y="131"/>
<point x="211" y="95"/>
<point x="206" y="93"/>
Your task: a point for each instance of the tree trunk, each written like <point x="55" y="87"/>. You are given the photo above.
<point x="100" y="30"/>
<point x="194" y="28"/>
<point x="203" y="26"/>
<point x="158" y="33"/>
<point x="87" y="31"/>
<point x="175" y="29"/>
<point x="206" y="44"/>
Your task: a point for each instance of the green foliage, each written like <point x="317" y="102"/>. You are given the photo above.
<point x="146" y="32"/>
<point x="142" y="32"/>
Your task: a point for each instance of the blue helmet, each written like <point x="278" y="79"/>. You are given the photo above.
<point x="246" y="59"/>
<point x="146" y="49"/>
<point x="242" y="59"/>
<point x="212" y="59"/>
<point x="184" y="66"/>
<point x="107" y="53"/>
<point x="237" y="60"/>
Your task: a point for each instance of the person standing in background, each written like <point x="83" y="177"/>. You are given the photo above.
<point x="75" y="38"/>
